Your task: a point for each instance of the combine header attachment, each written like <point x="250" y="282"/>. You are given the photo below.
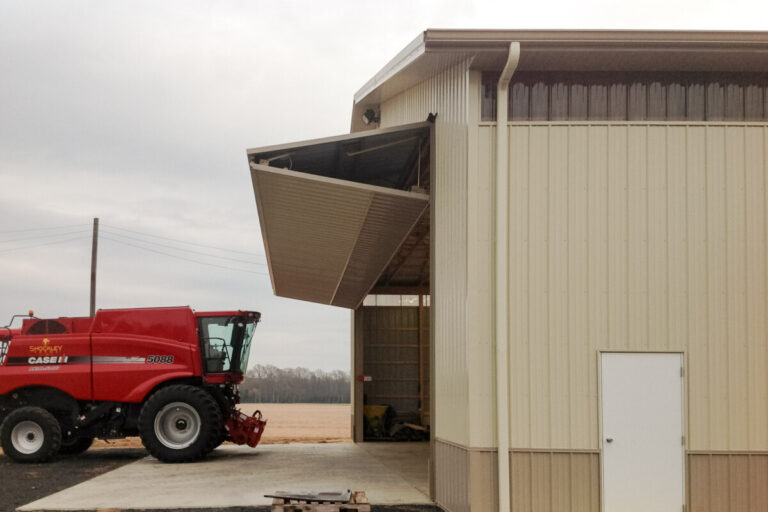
<point x="244" y="429"/>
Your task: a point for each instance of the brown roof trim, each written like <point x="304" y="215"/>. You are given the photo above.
<point x="437" y="38"/>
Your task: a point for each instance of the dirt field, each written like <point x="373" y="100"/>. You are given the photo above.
<point x="304" y="423"/>
<point x="286" y="423"/>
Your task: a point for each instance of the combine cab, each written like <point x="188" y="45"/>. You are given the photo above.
<point x="169" y="375"/>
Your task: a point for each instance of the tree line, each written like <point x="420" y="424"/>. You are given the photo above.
<point x="269" y="384"/>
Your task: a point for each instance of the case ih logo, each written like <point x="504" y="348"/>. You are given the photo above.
<point x="48" y="360"/>
<point x="46" y="348"/>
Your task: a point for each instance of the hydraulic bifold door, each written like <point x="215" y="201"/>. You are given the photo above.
<point x="334" y="211"/>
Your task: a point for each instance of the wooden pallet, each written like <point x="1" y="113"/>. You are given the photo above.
<point x="358" y="502"/>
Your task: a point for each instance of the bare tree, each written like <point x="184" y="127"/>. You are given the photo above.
<point x="269" y="384"/>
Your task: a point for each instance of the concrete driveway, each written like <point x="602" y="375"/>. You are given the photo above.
<point x="235" y="476"/>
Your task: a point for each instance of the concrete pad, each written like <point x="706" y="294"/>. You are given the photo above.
<point x="236" y="476"/>
<point x="409" y="460"/>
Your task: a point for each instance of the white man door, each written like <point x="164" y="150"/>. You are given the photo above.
<point x="642" y="429"/>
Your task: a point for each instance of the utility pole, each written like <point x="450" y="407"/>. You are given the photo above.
<point x="94" y="248"/>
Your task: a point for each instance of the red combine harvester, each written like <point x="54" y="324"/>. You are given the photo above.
<point x="169" y="375"/>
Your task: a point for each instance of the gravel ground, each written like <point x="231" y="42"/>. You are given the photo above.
<point x="23" y="483"/>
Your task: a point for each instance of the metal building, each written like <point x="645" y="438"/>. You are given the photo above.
<point x="588" y="213"/>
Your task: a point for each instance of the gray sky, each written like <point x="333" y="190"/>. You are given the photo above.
<point x="140" y="113"/>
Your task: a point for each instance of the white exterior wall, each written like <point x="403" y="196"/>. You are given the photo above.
<point x="481" y="233"/>
<point x="647" y="237"/>
<point x="447" y="95"/>
<point x="463" y="463"/>
<point x="624" y="236"/>
<point x="629" y="236"/>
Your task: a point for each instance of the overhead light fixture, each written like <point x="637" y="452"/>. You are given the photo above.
<point x="370" y="116"/>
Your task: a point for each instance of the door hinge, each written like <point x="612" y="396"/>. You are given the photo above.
<point x="682" y="371"/>
<point x="682" y="440"/>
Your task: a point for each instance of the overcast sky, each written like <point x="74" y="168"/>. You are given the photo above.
<point x="140" y="113"/>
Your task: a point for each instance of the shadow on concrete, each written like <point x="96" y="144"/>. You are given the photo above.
<point x="374" y="508"/>
<point x="23" y="483"/>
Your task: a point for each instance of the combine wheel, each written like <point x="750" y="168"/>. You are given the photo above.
<point x="222" y="438"/>
<point x="30" y="434"/>
<point x="180" y="424"/>
<point x="75" y="446"/>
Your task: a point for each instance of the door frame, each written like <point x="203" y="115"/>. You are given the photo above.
<point x="684" y="413"/>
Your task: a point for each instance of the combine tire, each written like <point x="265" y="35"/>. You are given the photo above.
<point x="75" y="446"/>
<point x="180" y="424"/>
<point x="222" y="438"/>
<point x="30" y="434"/>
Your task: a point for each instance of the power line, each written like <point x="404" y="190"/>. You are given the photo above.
<point x="182" y="258"/>
<point x="183" y="241"/>
<point x="44" y="244"/>
<point x="43" y="236"/>
<point x="41" y="229"/>
<point x="184" y="249"/>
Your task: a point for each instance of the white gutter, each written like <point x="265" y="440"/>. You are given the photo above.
<point x="502" y="277"/>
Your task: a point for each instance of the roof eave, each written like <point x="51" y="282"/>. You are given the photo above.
<point x="405" y="58"/>
<point x="485" y="38"/>
<point x="435" y="44"/>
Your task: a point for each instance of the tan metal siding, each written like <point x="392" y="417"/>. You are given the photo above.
<point x="728" y="482"/>
<point x="481" y="346"/>
<point x="637" y="237"/>
<point x="391" y="358"/>
<point x="446" y="95"/>
<point x="356" y="227"/>
<point x="356" y="353"/>
<point x="466" y="478"/>
<point x="555" y="482"/>
<point x="483" y="483"/>
<point x="452" y="477"/>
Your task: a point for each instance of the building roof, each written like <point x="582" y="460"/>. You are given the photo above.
<point x="567" y="50"/>
<point x="345" y="216"/>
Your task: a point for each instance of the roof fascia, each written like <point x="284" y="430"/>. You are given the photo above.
<point x="466" y="39"/>
<point x="491" y="42"/>
<point x="408" y="55"/>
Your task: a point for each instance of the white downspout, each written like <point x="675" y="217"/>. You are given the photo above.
<point x="502" y="277"/>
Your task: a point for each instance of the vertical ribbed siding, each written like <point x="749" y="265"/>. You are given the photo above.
<point x="356" y="353"/>
<point x="446" y="95"/>
<point x="637" y="237"/>
<point x="616" y="96"/>
<point x="452" y="477"/>
<point x="481" y="345"/>
<point x="728" y="482"/>
<point x="391" y="348"/>
<point x="555" y="481"/>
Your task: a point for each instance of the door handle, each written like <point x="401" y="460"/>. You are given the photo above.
<point x="608" y="439"/>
